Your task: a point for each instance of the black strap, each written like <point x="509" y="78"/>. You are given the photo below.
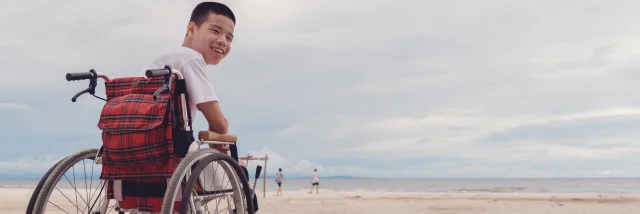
<point x="143" y="189"/>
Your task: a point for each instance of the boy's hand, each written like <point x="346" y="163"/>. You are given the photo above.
<point x="222" y="148"/>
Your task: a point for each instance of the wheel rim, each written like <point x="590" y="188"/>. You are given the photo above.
<point x="238" y="196"/>
<point x="89" y="200"/>
<point x="182" y="172"/>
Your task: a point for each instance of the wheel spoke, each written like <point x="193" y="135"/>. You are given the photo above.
<point x="77" y="208"/>
<point x="58" y="207"/>
<point x="54" y="185"/>
<point x="97" y="198"/>
<point x="76" y="190"/>
<point x="74" y="184"/>
<point x="91" y="178"/>
<point x="213" y="183"/>
<point x="86" y="190"/>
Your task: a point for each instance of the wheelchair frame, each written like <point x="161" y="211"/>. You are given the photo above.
<point x="199" y="158"/>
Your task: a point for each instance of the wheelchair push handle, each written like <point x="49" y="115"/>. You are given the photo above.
<point x="79" y="76"/>
<point x="158" y="72"/>
<point x="92" y="76"/>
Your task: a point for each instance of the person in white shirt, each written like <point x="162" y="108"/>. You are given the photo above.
<point x="315" y="181"/>
<point x="279" y="180"/>
<point x="207" y="41"/>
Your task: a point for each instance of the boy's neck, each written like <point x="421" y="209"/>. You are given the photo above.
<point x="187" y="44"/>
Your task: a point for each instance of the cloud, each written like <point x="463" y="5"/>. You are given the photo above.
<point x="14" y="106"/>
<point x="372" y="88"/>
<point x="28" y="165"/>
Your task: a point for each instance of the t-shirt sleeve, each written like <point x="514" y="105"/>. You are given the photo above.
<point x="198" y="86"/>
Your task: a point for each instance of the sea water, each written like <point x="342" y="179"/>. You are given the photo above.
<point x="511" y="185"/>
<point x="551" y="185"/>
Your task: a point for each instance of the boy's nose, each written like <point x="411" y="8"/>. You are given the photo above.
<point x="222" y="41"/>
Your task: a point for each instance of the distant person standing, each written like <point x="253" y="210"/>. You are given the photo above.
<point x="279" y="180"/>
<point x="315" y="181"/>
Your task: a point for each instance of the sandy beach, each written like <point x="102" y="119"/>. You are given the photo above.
<point x="14" y="200"/>
<point x="436" y="203"/>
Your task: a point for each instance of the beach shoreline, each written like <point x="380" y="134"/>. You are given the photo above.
<point x="14" y="200"/>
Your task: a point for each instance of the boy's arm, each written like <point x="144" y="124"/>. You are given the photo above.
<point x="213" y="114"/>
<point x="201" y="93"/>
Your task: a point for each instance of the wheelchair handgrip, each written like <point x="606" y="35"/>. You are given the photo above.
<point x="158" y="72"/>
<point x="79" y="76"/>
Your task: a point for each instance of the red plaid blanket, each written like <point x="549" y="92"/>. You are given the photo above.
<point x="137" y="130"/>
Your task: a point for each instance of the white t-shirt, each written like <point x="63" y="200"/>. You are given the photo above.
<point x="315" y="178"/>
<point x="193" y="68"/>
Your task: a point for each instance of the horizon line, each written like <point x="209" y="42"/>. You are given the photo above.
<point x="39" y="176"/>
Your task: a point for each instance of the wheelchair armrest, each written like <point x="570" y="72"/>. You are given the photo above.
<point x="213" y="136"/>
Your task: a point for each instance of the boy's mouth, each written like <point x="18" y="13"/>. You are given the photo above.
<point x="218" y="50"/>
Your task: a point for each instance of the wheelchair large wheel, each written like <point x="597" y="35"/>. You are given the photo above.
<point x="55" y="190"/>
<point x="38" y="188"/>
<point x="203" y="198"/>
<point x="228" y="190"/>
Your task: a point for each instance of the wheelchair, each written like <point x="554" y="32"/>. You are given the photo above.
<point x="149" y="161"/>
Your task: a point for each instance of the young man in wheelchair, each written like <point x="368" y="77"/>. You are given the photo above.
<point x="207" y="41"/>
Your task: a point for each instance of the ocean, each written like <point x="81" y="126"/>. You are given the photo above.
<point x="511" y="185"/>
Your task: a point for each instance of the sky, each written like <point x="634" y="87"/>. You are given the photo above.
<point x="367" y="88"/>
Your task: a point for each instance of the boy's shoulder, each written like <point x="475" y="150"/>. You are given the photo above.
<point x="181" y="53"/>
<point x="177" y="58"/>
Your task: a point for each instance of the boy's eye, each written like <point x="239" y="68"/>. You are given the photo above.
<point x="215" y="30"/>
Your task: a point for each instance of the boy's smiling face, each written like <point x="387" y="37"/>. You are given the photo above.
<point x="213" y="38"/>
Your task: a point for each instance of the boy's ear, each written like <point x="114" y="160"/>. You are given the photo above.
<point x="191" y="29"/>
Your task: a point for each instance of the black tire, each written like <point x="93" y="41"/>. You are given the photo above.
<point x="36" y="191"/>
<point x="195" y="173"/>
<point x="178" y="179"/>
<point x="56" y="174"/>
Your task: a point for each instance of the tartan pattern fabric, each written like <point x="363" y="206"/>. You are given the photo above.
<point x="140" y="85"/>
<point x="133" y="113"/>
<point x="134" y="85"/>
<point x="139" y="135"/>
<point x="137" y="130"/>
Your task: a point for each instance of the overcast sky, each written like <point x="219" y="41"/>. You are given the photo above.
<point x="406" y="88"/>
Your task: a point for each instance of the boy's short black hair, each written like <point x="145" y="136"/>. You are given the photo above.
<point x="201" y="12"/>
